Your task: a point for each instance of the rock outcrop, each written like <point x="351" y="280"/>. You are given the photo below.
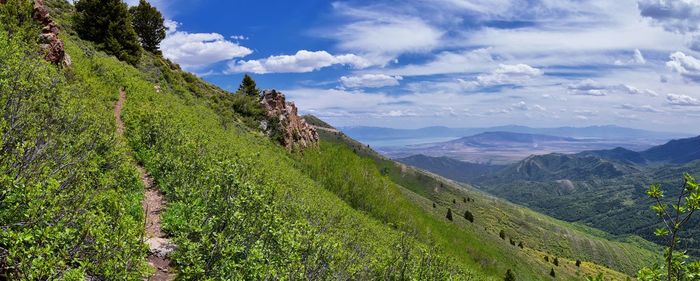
<point x="284" y="122"/>
<point x="54" y="50"/>
<point x="53" y="46"/>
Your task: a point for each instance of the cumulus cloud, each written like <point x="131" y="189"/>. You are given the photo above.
<point x="302" y="61"/>
<point x="508" y="74"/>
<point x="686" y="65"/>
<point x="588" y="87"/>
<point x="679" y="16"/>
<point x="195" y="50"/>
<point x="370" y="81"/>
<point x="682" y="100"/>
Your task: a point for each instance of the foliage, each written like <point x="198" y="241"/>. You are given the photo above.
<point x="449" y="214"/>
<point x="675" y="217"/>
<point x="69" y="198"/>
<point x="509" y="276"/>
<point x="248" y="87"/>
<point x="148" y="23"/>
<point x="108" y="24"/>
<point x="552" y="273"/>
<point x="469" y="216"/>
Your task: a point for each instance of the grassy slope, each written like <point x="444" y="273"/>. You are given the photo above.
<point x="535" y="230"/>
<point x="188" y="113"/>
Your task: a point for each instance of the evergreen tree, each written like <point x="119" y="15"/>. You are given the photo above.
<point x="248" y="87"/>
<point x="108" y="24"/>
<point x="521" y="245"/>
<point x="509" y="276"/>
<point x="556" y="261"/>
<point x="502" y="234"/>
<point x="149" y="25"/>
<point x="546" y="258"/>
<point x="454" y="201"/>
<point x="464" y="199"/>
<point x="469" y="216"/>
<point x="578" y="263"/>
<point x="434" y="205"/>
<point x="551" y="273"/>
<point x="449" y="214"/>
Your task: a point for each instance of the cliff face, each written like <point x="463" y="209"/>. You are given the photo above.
<point x="284" y="122"/>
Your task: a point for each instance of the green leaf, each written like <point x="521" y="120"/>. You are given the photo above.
<point x="661" y="232"/>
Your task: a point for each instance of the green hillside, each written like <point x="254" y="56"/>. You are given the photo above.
<point x="239" y="206"/>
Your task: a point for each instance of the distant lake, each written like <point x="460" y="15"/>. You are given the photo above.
<point x="404" y="142"/>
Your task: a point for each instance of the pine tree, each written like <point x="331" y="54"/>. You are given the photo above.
<point x="546" y="258"/>
<point x="464" y="199"/>
<point x="556" y="261"/>
<point x="469" y="216"/>
<point x="108" y="23"/>
<point x="551" y="273"/>
<point x="248" y="87"/>
<point x="502" y="234"/>
<point x="509" y="276"/>
<point x="521" y="245"/>
<point x="434" y="205"/>
<point x="449" y="214"/>
<point x="578" y="263"/>
<point x="149" y="25"/>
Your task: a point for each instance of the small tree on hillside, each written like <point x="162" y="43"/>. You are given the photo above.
<point x="149" y="25"/>
<point x="552" y="273"/>
<point x="578" y="263"/>
<point x="509" y="276"/>
<point x="449" y="214"/>
<point x="546" y="258"/>
<point x="248" y="87"/>
<point x="556" y="261"/>
<point x="464" y="199"/>
<point x="108" y="24"/>
<point x="521" y="245"/>
<point x="502" y="234"/>
<point x="469" y="216"/>
<point x="675" y="265"/>
<point x="434" y="205"/>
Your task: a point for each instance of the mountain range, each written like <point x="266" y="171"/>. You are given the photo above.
<point x="599" y="188"/>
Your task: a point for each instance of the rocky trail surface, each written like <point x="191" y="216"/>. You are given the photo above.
<point x="153" y="203"/>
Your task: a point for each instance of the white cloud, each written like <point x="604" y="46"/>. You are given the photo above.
<point x="635" y="91"/>
<point x="508" y="74"/>
<point x="383" y="35"/>
<point x="639" y="108"/>
<point x="638" y="57"/>
<point x="370" y="81"/>
<point x="195" y="50"/>
<point x="302" y="61"/>
<point x="686" y="65"/>
<point x="682" y="100"/>
<point x="674" y="15"/>
<point x="588" y="87"/>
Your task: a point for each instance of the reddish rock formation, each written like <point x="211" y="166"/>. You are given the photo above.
<point x="52" y="45"/>
<point x="284" y="123"/>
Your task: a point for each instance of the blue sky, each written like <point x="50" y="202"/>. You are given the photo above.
<point x="458" y="63"/>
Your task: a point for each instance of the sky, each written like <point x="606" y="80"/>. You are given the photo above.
<point x="456" y="63"/>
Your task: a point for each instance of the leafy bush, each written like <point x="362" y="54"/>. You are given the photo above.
<point x="69" y="198"/>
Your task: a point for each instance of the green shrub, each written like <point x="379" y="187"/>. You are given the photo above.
<point x="108" y="24"/>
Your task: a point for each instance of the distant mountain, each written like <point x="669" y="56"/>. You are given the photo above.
<point x="495" y="139"/>
<point x="451" y="168"/>
<point x="558" y="166"/>
<point x="675" y="151"/>
<point x="618" y="154"/>
<point x="602" y="132"/>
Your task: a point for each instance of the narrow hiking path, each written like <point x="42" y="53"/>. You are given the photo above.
<point x="153" y="203"/>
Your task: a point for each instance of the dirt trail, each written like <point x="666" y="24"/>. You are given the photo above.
<point x="153" y="203"/>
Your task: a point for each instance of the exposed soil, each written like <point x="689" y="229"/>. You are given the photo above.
<point x="153" y="203"/>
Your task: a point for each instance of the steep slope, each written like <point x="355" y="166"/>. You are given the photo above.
<point x="450" y="168"/>
<point x="435" y="195"/>
<point x="617" y="154"/>
<point x="675" y="151"/>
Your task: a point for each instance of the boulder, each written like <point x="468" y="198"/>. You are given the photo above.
<point x="54" y="50"/>
<point x="284" y="123"/>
